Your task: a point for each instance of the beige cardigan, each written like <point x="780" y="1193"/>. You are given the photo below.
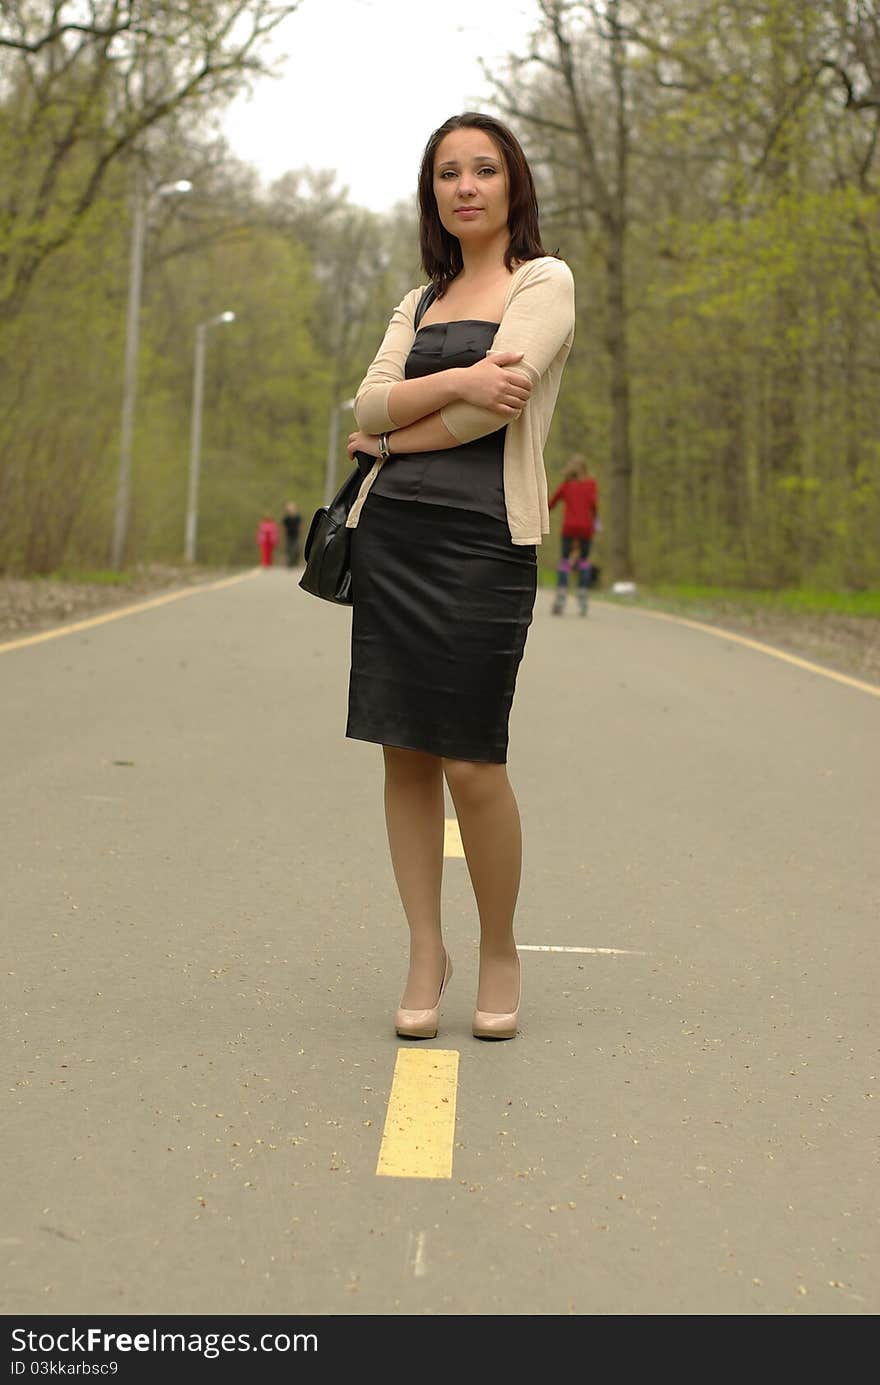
<point x="538" y="319"/>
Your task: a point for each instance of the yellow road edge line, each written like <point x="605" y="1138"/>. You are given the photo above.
<point x="419" y="1133"/>
<point x="58" y="630"/>
<point x="770" y="649"/>
<point x="452" y="843"/>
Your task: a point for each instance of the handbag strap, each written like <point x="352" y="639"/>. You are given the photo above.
<point x="424" y="304"/>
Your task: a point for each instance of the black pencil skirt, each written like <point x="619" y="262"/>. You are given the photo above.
<point x="442" y="604"/>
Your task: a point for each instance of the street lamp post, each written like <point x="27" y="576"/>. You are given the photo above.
<point x="332" y="449"/>
<point x="195" y="447"/>
<point x="132" y="340"/>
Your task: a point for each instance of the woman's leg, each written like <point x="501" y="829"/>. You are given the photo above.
<point x="583" y="565"/>
<point x="414" y="814"/>
<point x="562" y="570"/>
<point x="488" y="817"/>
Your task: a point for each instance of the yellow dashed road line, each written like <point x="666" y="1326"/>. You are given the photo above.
<point x="420" y="1124"/>
<point x="452" y="844"/>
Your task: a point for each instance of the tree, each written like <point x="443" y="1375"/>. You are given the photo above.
<point x="585" y="49"/>
<point x="719" y="158"/>
<point x="84" y="84"/>
<point x="360" y="263"/>
<point x="775" y="101"/>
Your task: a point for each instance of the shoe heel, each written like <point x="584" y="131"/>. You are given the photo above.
<point x="487" y="1025"/>
<point x="423" y="1024"/>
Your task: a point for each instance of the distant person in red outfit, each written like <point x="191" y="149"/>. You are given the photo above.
<point x="579" y="494"/>
<point x="267" y="539"/>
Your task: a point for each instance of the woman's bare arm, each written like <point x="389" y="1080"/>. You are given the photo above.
<point x="496" y="381"/>
<point x="492" y="383"/>
<point x="425" y="435"/>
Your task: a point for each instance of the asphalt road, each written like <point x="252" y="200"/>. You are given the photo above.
<point x="203" y="950"/>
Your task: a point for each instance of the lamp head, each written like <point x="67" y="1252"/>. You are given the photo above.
<point x="169" y="189"/>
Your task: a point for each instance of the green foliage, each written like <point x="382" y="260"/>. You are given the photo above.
<point x="264" y="402"/>
<point x="83" y="90"/>
<point x="752" y="284"/>
<point x="864" y="603"/>
<point x="59" y="361"/>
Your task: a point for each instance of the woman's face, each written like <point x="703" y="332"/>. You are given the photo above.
<point x="470" y="185"/>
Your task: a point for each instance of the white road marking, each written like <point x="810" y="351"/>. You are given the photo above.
<point x="420" y="1269"/>
<point x="603" y="951"/>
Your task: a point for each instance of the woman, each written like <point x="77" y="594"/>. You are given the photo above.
<point x="267" y="538"/>
<point x="579" y="494"/>
<point x="443" y="558"/>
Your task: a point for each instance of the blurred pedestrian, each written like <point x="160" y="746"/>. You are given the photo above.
<point x="443" y="545"/>
<point x="292" y="522"/>
<point x="267" y="539"/>
<point x="579" y="493"/>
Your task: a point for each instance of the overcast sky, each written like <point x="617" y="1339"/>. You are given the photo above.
<point x="364" y="82"/>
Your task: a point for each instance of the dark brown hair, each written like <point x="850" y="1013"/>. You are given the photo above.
<point x="441" y="252"/>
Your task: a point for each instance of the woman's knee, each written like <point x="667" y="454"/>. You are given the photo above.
<point x="473" y="780"/>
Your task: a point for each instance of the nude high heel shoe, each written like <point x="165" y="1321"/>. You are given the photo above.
<point x="491" y="1026"/>
<point x="423" y="1024"/>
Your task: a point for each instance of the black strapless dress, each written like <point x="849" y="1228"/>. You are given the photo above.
<point x="442" y="598"/>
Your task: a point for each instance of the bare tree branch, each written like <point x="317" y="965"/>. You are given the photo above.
<point x="553" y="13"/>
<point x="53" y="35"/>
<point x="90" y="94"/>
<point x="853" y="102"/>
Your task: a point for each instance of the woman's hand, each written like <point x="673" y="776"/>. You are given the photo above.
<point x="493" y="384"/>
<point x="362" y="442"/>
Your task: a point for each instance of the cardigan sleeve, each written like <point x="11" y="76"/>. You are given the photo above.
<point x="556" y="496"/>
<point x="538" y="320"/>
<point x="387" y="368"/>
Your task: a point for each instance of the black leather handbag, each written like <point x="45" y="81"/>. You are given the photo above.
<point x="327" y="551"/>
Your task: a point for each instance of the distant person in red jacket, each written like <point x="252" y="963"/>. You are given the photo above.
<point x="579" y="494"/>
<point x="267" y="539"/>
